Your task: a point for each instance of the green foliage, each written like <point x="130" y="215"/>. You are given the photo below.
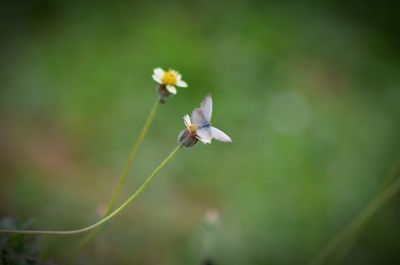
<point x="19" y="249"/>
<point x="308" y="91"/>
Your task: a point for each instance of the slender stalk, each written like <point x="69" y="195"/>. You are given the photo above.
<point x="109" y="216"/>
<point x="347" y="245"/>
<point x="343" y="249"/>
<point x="357" y="222"/>
<point x="393" y="173"/>
<point x="122" y="178"/>
<point x="135" y="147"/>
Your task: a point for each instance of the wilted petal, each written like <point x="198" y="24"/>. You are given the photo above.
<point x="186" y="120"/>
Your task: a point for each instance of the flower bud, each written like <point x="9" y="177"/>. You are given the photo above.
<point x="187" y="138"/>
<point x="164" y="93"/>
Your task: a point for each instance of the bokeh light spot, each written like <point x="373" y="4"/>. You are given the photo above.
<point x="289" y="113"/>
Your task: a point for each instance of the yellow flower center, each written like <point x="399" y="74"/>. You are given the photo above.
<point x="192" y="128"/>
<point x="169" y="78"/>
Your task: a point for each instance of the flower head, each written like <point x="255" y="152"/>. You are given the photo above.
<point x="198" y="126"/>
<point x="212" y="216"/>
<point x="168" y="81"/>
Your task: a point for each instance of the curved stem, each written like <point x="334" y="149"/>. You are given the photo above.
<point x="352" y="238"/>
<point x="109" y="216"/>
<point x="393" y="173"/>
<point x="122" y="178"/>
<point x="357" y="222"/>
<point x="345" y="248"/>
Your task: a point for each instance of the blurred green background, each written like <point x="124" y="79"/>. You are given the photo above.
<point x="309" y="92"/>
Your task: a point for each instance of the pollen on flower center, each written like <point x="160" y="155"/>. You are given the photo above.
<point x="192" y="128"/>
<point x="169" y="78"/>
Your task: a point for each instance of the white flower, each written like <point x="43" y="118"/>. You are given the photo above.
<point x="170" y="79"/>
<point x="212" y="216"/>
<point x="198" y="126"/>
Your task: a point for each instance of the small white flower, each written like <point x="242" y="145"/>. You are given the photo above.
<point x="212" y="216"/>
<point x="170" y="79"/>
<point x="198" y="126"/>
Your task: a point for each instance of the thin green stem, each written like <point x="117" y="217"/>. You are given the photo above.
<point x="135" y="147"/>
<point x="393" y="173"/>
<point x="122" y="178"/>
<point x="109" y="216"/>
<point x="344" y="248"/>
<point x="357" y="222"/>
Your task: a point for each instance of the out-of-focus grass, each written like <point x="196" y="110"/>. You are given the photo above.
<point x="309" y="96"/>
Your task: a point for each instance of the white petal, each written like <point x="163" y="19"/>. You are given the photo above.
<point x="176" y="74"/>
<point x="206" y="107"/>
<point x="198" y="118"/>
<point x="159" y="72"/>
<point x="204" y="141"/>
<point x="171" y="89"/>
<point x="182" y="83"/>
<point x="204" y="135"/>
<point x="157" y="79"/>
<point x="220" y="135"/>
<point x="186" y="120"/>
